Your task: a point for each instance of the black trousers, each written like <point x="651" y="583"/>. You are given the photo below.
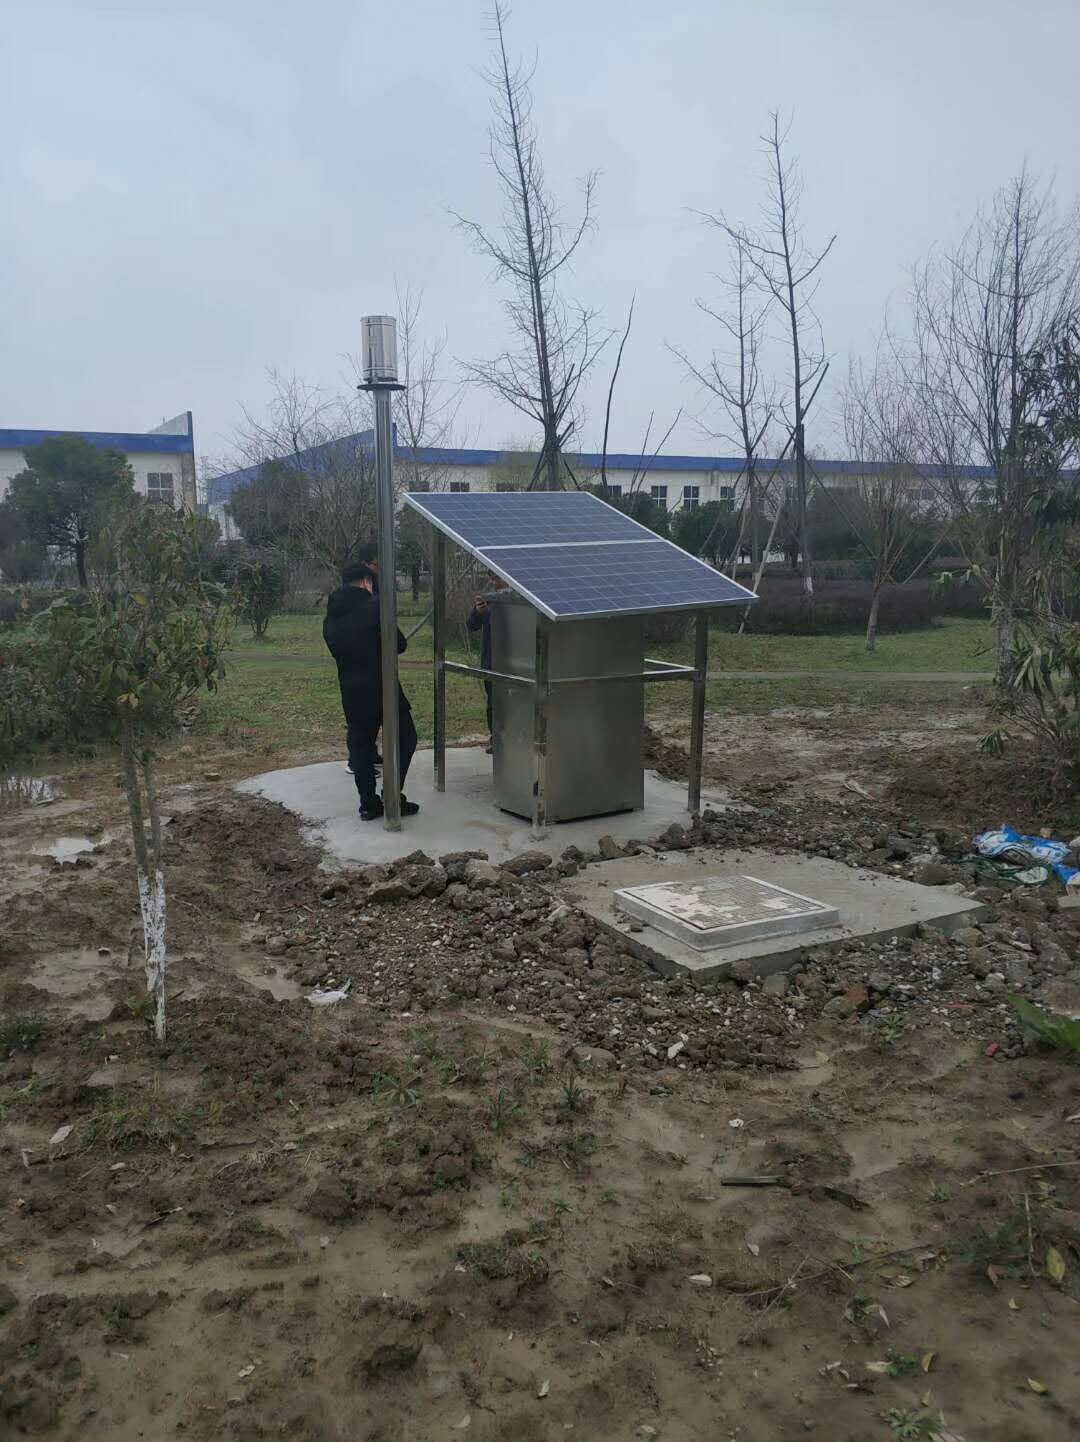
<point x="361" y="741"/>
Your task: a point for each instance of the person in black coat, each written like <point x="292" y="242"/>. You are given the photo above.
<point x="480" y="620"/>
<point x="351" y="632"/>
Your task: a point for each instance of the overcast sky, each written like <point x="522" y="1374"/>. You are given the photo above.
<point x="196" y="190"/>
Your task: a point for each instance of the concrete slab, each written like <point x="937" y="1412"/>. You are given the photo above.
<point x="463" y="818"/>
<point x="718" y="911"/>
<point x="870" y="906"/>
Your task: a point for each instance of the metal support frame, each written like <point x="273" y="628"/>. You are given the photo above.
<point x="460" y="669"/>
<point x="541" y="698"/>
<point x="697" y="711"/>
<point x="438" y="642"/>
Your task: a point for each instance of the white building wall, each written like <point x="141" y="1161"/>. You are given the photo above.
<point x="143" y="465"/>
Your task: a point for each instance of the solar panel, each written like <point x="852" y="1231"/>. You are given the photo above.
<point x="571" y="555"/>
<point x="527" y="518"/>
<point x="598" y="580"/>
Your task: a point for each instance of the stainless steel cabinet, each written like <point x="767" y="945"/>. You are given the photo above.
<point x="594" y="741"/>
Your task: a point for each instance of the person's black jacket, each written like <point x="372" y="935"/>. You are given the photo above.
<point x="351" y="632"/>
<point x="481" y="621"/>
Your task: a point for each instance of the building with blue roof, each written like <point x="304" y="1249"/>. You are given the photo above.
<point x="162" y="459"/>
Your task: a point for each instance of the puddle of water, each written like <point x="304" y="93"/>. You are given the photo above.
<point x="77" y="977"/>
<point x="17" y="792"/>
<point x="67" y="848"/>
<point x="280" y="987"/>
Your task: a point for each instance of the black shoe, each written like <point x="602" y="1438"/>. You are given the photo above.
<point x="408" y="808"/>
<point x="373" y="811"/>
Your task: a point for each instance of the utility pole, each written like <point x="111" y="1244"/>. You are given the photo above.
<point x="379" y="352"/>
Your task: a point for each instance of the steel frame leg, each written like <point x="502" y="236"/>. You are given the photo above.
<point x="438" y="627"/>
<point x="697" y="711"/>
<point x="541" y="700"/>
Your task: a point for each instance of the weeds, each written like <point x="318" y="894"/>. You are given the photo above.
<point x="910" y="1425"/>
<point x="537" y="1059"/>
<point x="21" y="1033"/>
<point x="1003" y="1247"/>
<point x="123" y="1124"/>
<point x="902" y="1364"/>
<point x="1060" y="1032"/>
<point x="574" y="1096"/>
<point x="395" y="1091"/>
<point x="502" y="1109"/>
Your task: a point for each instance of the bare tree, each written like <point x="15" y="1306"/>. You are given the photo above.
<point x="885" y="502"/>
<point x="735" y="381"/>
<point x="555" y="342"/>
<point x="315" y="457"/>
<point x="786" y="268"/>
<point x="427" y="406"/>
<point x="980" y="311"/>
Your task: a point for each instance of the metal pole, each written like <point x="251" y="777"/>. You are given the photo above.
<point x="384" y="491"/>
<point x="438" y="628"/>
<point x="697" y="712"/>
<point x="541" y="698"/>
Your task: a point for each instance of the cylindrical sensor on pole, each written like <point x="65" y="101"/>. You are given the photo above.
<point x="379" y="349"/>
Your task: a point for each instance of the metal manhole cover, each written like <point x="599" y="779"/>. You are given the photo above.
<point x="722" y="910"/>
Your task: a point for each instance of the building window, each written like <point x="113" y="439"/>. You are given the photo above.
<point x="159" y="486"/>
<point x="504" y="486"/>
<point x="725" y="493"/>
<point x="614" y="490"/>
<point x="420" y="488"/>
<point x="458" y="487"/>
<point x="691" y="497"/>
<point x="659" y="495"/>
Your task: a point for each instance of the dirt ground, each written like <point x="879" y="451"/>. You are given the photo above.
<point x="489" y="1194"/>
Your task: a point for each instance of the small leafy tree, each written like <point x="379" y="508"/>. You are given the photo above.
<point x="125" y="657"/>
<point x="258" y="581"/>
<point x="63" y="493"/>
<point x="711" y="531"/>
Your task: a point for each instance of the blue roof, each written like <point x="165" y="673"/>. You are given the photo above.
<point x="16" y="440"/>
<point x="220" y="487"/>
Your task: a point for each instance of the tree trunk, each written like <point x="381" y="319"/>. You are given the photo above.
<point x="1005" y="647"/>
<point x="80" y="562"/>
<point x="872" y="619"/>
<point x="150" y="877"/>
<point x="414" y="576"/>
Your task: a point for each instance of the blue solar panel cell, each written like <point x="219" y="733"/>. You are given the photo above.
<point x="522" y="518"/>
<point x="596" y="580"/>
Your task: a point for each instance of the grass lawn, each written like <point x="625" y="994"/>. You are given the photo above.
<point x="954" y="644"/>
<point x="281" y="691"/>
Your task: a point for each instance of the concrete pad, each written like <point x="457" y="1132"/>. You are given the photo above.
<point x="871" y="907"/>
<point x="718" y="911"/>
<point x="463" y="818"/>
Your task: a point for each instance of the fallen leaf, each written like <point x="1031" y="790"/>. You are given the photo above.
<point x="674" y="1050"/>
<point x="544" y="1388"/>
<point x="246" y="1371"/>
<point x="884" y="1316"/>
<point x="1039" y="1387"/>
<point x="995" y="1274"/>
<point x="928" y="1360"/>
<point x="881" y="1368"/>
<point x="1055" y="1265"/>
<point x="754" y="1248"/>
<point x="460" y="1426"/>
<point x="1074" y="1118"/>
<point x="902" y="1280"/>
<point x="736" y="1123"/>
<point x="822" y="1058"/>
<point x="700" y="1279"/>
<point x="61" y="1134"/>
<point x="1014" y="1305"/>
